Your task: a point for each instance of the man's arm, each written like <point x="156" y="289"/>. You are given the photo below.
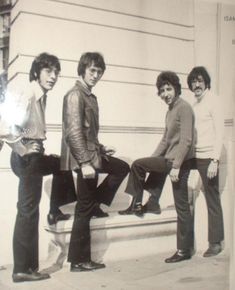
<point x="218" y="122"/>
<point x="186" y="135"/>
<point x="25" y="149"/>
<point x="162" y="146"/>
<point x="185" y="142"/>
<point x="73" y="120"/>
<point x="16" y="102"/>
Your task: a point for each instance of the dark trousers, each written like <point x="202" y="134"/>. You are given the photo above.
<point x="90" y="196"/>
<point x="212" y="196"/>
<point x="30" y="170"/>
<point x="159" y="167"/>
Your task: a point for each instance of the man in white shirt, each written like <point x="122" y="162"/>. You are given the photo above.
<point x="209" y="124"/>
<point x="30" y="164"/>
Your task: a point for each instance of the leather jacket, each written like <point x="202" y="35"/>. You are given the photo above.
<point x="80" y="129"/>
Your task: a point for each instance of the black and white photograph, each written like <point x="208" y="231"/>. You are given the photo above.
<point x="117" y="141"/>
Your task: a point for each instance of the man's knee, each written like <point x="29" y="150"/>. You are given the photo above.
<point x="138" y="166"/>
<point x="125" y="168"/>
<point x="121" y="168"/>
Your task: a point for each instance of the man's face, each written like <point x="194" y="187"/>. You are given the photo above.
<point x="198" y="86"/>
<point x="92" y="75"/>
<point x="47" y="78"/>
<point x="167" y="93"/>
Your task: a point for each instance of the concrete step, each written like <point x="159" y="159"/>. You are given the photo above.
<point x="117" y="237"/>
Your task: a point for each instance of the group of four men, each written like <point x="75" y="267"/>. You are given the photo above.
<point x="180" y="149"/>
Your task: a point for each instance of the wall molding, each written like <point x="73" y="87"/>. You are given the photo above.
<point x="116" y="129"/>
<point x="123" y="13"/>
<point x="102" y="80"/>
<point x="100" y="25"/>
<point x="5" y="169"/>
<point x="107" y="64"/>
<point x="128" y="129"/>
<point x="56" y="128"/>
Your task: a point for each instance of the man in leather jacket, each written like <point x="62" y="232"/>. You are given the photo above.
<point x="82" y="152"/>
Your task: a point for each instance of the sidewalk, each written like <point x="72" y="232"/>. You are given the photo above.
<point x="148" y="273"/>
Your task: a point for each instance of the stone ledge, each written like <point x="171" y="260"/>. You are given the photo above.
<point x="116" y="237"/>
<point x="116" y="221"/>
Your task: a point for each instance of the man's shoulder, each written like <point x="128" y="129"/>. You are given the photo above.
<point x="184" y="104"/>
<point x="210" y="96"/>
<point x="75" y="93"/>
<point x="214" y="103"/>
<point x="21" y="92"/>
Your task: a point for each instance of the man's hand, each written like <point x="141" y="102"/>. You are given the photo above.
<point x="88" y="171"/>
<point x="32" y="147"/>
<point x="174" y="174"/>
<point x="109" y="150"/>
<point x="212" y="170"/>
<point x="55" y="155"/>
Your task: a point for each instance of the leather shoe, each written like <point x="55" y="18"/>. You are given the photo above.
<point x="54" y="218"/>
<point x="151" y="207"/>
<point x="86" y="266"/>
<point x="136" y="209"/>
<point x="179" y="256"/>
<point x="30" y="276"/>
<point x="213" y="250"/>
<point x="98" y="213"/>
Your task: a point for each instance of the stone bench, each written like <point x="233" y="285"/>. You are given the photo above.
<point x="122" y="237"/>
<point x="116" y="237"/>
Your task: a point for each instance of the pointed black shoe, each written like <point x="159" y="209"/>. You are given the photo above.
<point x="53" y="218"/>
<point x="151" y="207"/>
<point x="30" y="276"/>
<point x="98" y="213"/>
<point x="86" y="266"/>
<point x="179" y="256"/>
<point x="134" y="208"/>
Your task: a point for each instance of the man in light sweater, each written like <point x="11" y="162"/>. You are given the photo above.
<point x="209" y="124"/>
<point x="172" y="157"/>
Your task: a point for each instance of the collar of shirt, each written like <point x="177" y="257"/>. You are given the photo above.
<point x="82" y="85"/>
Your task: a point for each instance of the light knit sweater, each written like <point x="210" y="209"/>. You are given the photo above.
<point x="209" y="124"/>
<point x="177" y="143"/>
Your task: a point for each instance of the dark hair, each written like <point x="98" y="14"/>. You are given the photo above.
<point x="43" y="60"/>
<point x="169" y="77"/>
<point x="195" y="72"/>
<point x="89" y="58"/>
